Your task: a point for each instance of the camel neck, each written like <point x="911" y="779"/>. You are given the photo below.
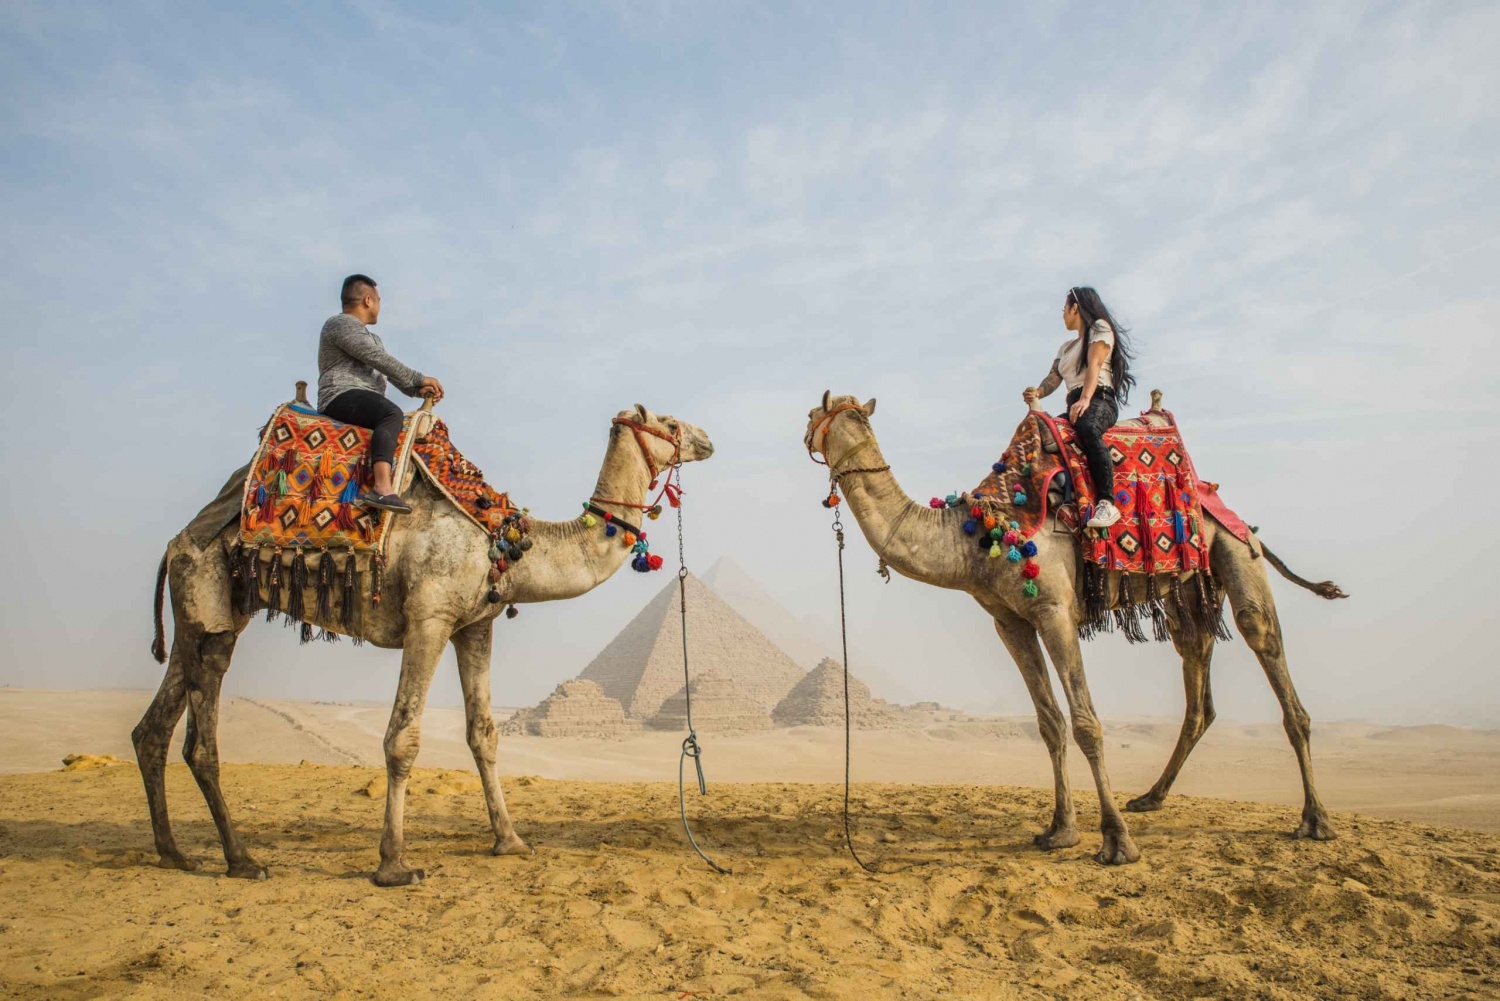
<point x="913" y="539"/>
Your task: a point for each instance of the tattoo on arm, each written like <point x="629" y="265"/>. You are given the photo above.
<point x="1049" y="385"/>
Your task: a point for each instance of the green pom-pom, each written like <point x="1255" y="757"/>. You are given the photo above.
<point x="1030" y="589"/>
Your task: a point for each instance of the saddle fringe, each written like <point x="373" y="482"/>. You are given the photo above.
<point x="1165" y="600"/>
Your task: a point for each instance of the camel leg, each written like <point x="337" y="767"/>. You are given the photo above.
<point x="1020" y="639"/>
<point x="1196" y="647"/>
<point x="152" y="737"/>
<point x="403" y="738"/>
<point x="205" y="678"/>
<point x="1061" y="640"/>
<point x="1254" y="609"/>
<point x="472" y="644"/>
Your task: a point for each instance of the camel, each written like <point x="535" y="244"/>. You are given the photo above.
<point x="928" y="545"/>
<point x="436" y="591"/>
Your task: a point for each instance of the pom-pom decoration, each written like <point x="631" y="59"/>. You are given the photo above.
<point x="994" y="550"/>
<point x="1013" y="554"/>
<point x="1019" y="498"/>
<point x="1012" y="537"/>
<point x="609" y="530"/>
<point x="990" y="522"/>
<point x="589" y="521"/>
<point x="1029" y="549"/>
<point x="999" y="467"/>
<point x="952" y="500"/>
<point x="1030" y="570"/>
<point x="970" y="527"/>
<point x="1030" y="589"/>
<point x="654" y="561"/>
<point x="936" y="503"/>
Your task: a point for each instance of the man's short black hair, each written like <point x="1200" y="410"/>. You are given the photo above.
<point x="356" y="287"/>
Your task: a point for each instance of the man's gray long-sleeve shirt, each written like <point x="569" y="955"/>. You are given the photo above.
<point x="351" y="356"/>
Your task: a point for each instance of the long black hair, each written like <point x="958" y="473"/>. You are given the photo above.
<point x="1092" y="308"/>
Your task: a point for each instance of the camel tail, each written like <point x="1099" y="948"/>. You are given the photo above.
<point x="159" y="644"/>
<point x="1327" y="589"/>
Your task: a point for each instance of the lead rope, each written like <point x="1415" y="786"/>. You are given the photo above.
<point x="838" y="533"/>
<point x="690" y="748"/>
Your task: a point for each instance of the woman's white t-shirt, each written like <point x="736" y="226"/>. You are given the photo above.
<point x="1073" y="368"/>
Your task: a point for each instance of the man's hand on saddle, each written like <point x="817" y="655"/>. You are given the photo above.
<point x="432" y="389"/>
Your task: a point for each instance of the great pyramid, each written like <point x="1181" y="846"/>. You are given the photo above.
<point x="642" y="666"/>
<point x="719" y="706"/>
<point x="818" y="700"/>
<point x="575" y="708"/>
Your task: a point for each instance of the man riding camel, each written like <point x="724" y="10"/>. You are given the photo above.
<point x="352" y="369"/>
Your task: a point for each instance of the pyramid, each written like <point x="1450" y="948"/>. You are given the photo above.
<point x="818" y="700"/>
<point x="799" y="637"/>
<point x="719" y="706"/>
<point x="574" y="709"/>
<point x="642" y="666"/>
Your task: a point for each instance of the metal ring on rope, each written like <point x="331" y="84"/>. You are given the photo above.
<point x="690" y="748"/>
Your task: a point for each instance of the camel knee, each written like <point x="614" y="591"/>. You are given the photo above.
<point x="483" y="738"/>
<point x="1196" y="724"/>
<point x="1089" y="734"/>
<point x="1297" y="723"/>
<point x="401" y="744"/>
<point x="1260" y="630"/>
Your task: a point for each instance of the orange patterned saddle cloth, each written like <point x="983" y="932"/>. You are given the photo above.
<point x="305" y="481"/>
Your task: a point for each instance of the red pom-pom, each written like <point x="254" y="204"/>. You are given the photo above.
<point x="1030" y="570"/>
<point x="653" y="561"/>
<point x="643" y="535"/>
<point x="976" y="511"/>
<point x="608" y="516"/>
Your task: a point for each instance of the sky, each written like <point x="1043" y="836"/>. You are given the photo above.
<point x="719" y="211"/>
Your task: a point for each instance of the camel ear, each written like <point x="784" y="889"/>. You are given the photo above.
<point x="644" y="414"/>
<point x="827" y="395"/>
<point x="870" y="407"/>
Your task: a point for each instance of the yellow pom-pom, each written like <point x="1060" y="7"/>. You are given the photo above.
<point x="994" y="550"/>
<point x="589" y="520"/>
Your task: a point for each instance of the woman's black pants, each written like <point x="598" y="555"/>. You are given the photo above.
<point x="1090" y="427"/>
<point x="368" y="409"/>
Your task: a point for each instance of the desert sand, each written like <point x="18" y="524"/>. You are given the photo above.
<point x="1223" y="903"/>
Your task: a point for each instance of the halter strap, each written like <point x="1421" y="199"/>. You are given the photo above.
<point x="824" y="423"/>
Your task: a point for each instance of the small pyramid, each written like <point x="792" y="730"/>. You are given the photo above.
<point x="818" y="700"/>
<point x="575" y="708"/>
<point x="642" y="666"/>
<point x="719" y="706"/>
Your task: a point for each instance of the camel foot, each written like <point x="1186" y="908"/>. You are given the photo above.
<point x="1144" y="804"/>
<point x="512" y="845"/>
<point x="1117" y="849"/>
<point x="1055" y="837"/>
<point x="1316" y="827"/>
<point x="247" y="869"/>
<point x="398" y="877"/>
<point x="177" y="860"/>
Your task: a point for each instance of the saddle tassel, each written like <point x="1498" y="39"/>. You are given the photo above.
<point x="294" y="608"/>
<point x="273" y="586"/>
<point x="346" y="609"/>
<point x="251" y="574"/>
<point x="1129" y="612"/>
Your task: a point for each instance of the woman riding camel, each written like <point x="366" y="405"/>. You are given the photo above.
<point x="1095" y="365"/>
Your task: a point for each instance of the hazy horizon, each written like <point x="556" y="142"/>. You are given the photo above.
<point x="720" y="213"/>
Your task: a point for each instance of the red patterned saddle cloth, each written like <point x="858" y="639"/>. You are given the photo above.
<point x="1156" y="488"/>
<point x="310" y="469"/>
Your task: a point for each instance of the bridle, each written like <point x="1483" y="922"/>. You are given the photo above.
<point x="825" y="424"/>
<point x="672" y="492"/>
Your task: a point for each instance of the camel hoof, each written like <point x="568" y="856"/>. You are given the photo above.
<point x="1117" y="849"/>
<point x="398" y="877"/>
<point x="180" y="862"/>
<point x="1051" y="839"/>
<point x="1144" y="804"/>
<point x="248" y="870"/>
<point x="512" y="845"/>
<point x="1316" y="828"/>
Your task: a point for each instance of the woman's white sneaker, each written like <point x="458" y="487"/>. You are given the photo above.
<point x="1105" y="515"/>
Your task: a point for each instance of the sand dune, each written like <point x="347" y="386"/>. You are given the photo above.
<point x="1223" y="905"/>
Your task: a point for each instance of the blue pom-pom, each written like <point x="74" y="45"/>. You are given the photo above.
<point x="639" y="565"/>
<point x="1013" y="554"/>
<point x="610" y="530"/>
<point x="1029" y="549"/>
<point x="952" y="500"/>
<point x="970" y="527"/>
<point x="998" y="467"/>
<point x="1020" y="498"/>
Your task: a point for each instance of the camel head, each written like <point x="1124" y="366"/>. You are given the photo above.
<point x="666" y="434"/>
<point x="831" y="418"/>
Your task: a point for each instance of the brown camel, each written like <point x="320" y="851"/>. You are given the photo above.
<point x="434" y="593"/>
<point x="929" y="545"/>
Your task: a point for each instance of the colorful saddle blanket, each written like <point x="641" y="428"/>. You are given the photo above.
<point x="1156" y="489"/>
<point x="304" y="482"/>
